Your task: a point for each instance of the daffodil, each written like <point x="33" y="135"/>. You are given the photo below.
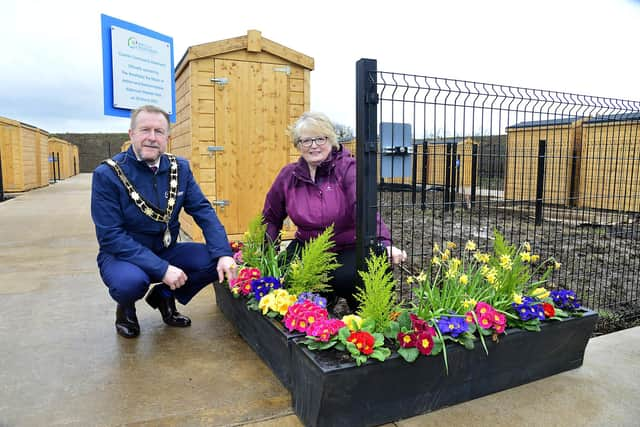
<point x="557" y="265"/>
<point x="451" y="245"/>
<point x="526" y="246"/>
<point x="469" y="304"/>
<point x="539" y="293"/>
<point x="505" y="262"/>
<point x="517" y="298"/>
<point x="470" y="246"/>
<point x="464" y="279"/>
<point x="525" y="256"/>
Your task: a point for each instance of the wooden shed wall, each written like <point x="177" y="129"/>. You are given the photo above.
<point x="521" y="172"/>
<point x="610" y="166"/>
<point x="24" y="156"/>
<point x="66" y="154"/>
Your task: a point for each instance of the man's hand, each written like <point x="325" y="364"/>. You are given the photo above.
<point x="226" y="267"/>
<point x="174" y="277"/>
<point x="396" y="256"/>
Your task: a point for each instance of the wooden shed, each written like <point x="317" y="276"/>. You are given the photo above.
<point x="66" y="155"/>
<point x="610" y="163"/>
<point x="24" y="156"/>
<point x="235" y="99"/>
<point x="563" y="139"/>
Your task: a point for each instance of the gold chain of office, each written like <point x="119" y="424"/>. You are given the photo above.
<point x="146" y="207"/>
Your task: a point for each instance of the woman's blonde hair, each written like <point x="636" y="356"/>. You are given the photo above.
<point x="317" y="123"/>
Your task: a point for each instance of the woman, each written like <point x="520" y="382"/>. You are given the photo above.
<point x="317" y="191"/>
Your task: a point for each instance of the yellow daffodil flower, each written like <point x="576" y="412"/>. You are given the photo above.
<point x="464" y="279"/>
<point x="517" y="298"/>
<point x="451" y="245"/>
<point x="540" y="293"/>
<point x="470" y="246"/>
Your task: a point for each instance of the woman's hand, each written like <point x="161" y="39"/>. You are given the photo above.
<point x="396" y="256"/>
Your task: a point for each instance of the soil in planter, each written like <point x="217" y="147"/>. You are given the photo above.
<point x="599" y="250"/>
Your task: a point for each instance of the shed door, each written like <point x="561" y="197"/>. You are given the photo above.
<point x="251" y="116"/>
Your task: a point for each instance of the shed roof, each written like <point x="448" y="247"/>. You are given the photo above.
<point x="552" y="122"/>
<point x="252" y="42"/>
<point x="619" y="117"/>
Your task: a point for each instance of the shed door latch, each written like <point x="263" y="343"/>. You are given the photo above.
<point x="286" y="69"/>
<point x="221" y="204"/>
<point x="220" y="81"/>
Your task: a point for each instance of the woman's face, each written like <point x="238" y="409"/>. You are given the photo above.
<point x="314" y="148"/>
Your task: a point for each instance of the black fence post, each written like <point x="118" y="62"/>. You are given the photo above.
<point x="542" y="148"/>
<point x="58" y="162"/>
<point x="474" y="172"/>
<point x="366" y="155"/>
<point x="53" y="165"/>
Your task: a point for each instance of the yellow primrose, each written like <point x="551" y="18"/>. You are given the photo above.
<point x="464" y="279"/>
<point x="517" y="298"/>
<point x="451" y="245"/>
<point x="283" y="304"/>
<point x="540" y="293"/>
<point x="470" y="246"/>
<point x="353" y="321"/>
<point x="266" y="302"/>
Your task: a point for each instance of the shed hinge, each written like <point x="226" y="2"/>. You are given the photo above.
<point x="220" y="81"/>
<point x="286" y="69"/>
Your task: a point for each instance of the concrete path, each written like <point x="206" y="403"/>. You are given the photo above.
<point x="62" y="364"/>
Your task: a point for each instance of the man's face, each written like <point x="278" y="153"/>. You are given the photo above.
<point x="149" y="136"/>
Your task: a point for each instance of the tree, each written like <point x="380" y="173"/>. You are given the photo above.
<point x="343" y="132"/>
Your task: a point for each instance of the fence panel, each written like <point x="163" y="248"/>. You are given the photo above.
<point x="558" y="170"/>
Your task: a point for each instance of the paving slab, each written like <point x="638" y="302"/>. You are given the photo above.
<point x="62" y="363"/>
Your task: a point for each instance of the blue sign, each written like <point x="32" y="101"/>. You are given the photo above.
<point x="137" y="66"/>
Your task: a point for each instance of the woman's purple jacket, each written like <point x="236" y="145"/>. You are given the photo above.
<point x="314" y="206"/>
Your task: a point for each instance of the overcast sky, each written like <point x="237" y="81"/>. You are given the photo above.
<point x="51" y="63"/>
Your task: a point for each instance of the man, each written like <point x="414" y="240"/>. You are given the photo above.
<point x="136" y="198"/>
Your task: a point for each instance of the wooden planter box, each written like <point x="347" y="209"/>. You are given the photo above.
<point x="267" y="337"/>
<point x="330" y="392"/>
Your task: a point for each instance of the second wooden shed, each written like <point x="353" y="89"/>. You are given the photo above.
<point x="235" y="99"/>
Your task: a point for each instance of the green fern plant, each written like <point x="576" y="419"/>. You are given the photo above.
<point x="309" y="272"/>
<point x="377" y="297"/>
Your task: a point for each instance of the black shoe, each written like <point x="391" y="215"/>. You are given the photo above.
<point x="126" y="321"/>
<point x="167" y="307"/>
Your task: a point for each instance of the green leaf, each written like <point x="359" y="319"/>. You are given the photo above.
<point x="368" y="325"/>
<point x="379" y="339"/>
<point x="380" y="354"/>
<point x="392" y="330"/>
<point x="343" y="334"/>
<point x="360" y="359"/>
<point x="404" y="320"/>
<point x="409" y="354"/>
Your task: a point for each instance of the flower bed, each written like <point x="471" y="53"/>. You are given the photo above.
<point x="266" y="336"/>
<point x="479" y="322"/>
<point x="329" y="390"/>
